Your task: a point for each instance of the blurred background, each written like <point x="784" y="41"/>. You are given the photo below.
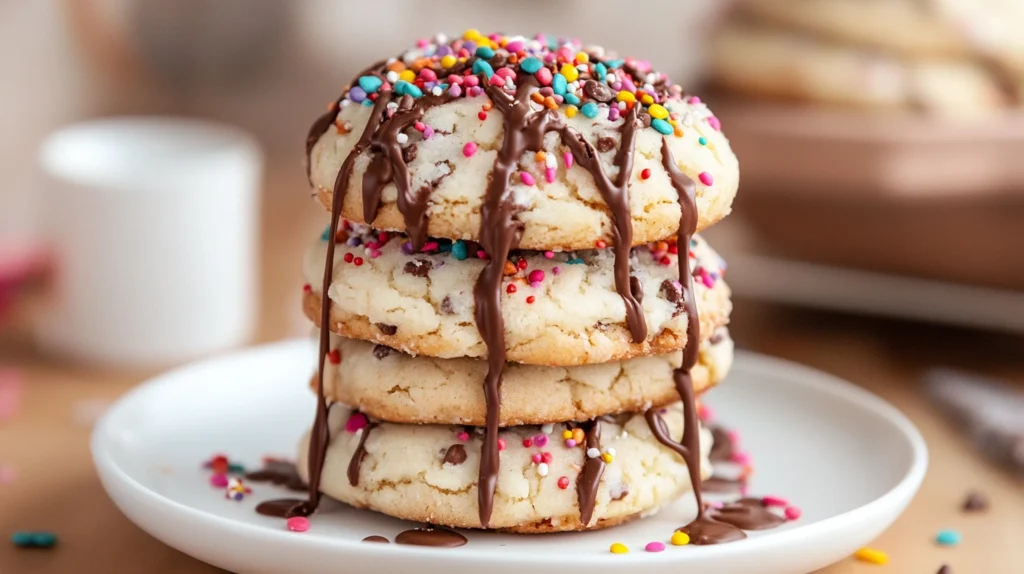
<point x="878" y="233"/>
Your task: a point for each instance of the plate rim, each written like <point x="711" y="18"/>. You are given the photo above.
<point x="796" y="373"/>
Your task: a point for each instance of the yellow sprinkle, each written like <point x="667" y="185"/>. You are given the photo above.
<point x="658" y="111"/>
<point x="646" y="99"/>
<point x="407" y="75"/>
<point x="567" y="434"/>
<point x="607" y="458"/>
<point x="680" y="538"/>
<point x="570" y="72"/>
<point x="471" y="34"/>
<point x="619" y="548"/>
<point x="625" y="96"/>
<point x="871" y="555"/>
<point x="447" y="61"/>
<point x="570" y="112"/>
<point x="582" y="58"/>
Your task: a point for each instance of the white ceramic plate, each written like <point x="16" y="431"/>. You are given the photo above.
<point x="848" y="459"/>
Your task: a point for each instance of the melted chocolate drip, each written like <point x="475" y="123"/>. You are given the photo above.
<point x="722" y="449"/>
<point x="590" y="477"/>
<point x="279" y="473"/>
<point x="722" y="485"/>
<point x="282" y="507"/>
<point x="746" y="513"/>
<point x="356" y="462"/>
<point x="436" y="537"/>
<point x="377" y="539"/>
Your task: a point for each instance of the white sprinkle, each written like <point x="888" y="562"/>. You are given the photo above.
<point x="550" y="161"/>
<point x="391" y="60"/>
<point x="392" y="76"/>
<point x="542" y="469"/>
<point x="593" y="453"/>
<point x="441" y="39"/>
<point x="345" y="102"/>
<point x="402" y="138"/>
<point x="610" y="451"/>
<point x="437" y="91"/>
<point x="548" y="428"/>
<point x="393" y="106"/>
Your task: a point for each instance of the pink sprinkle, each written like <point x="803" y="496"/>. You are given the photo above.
<point x="540" y="440"/>
<point x="568" y="159"/>
<point x="463" y="436"/>
<point x="556" y="270"/>
<point x="469" y="149"/>
<point x="715" y="504"/>
<point x="570" y="443"/>
<point x="355" y="423"/>
<point x="792" y="513"/>
<point x="430" y="246"/>
<point x="419" y="125"/>
<point x="428" y="75"/>
<point x="505" y="73"/>
<point x="475" y="91"/>
<point x="298" y="524"/>
<point x="536" y="276"/>
<point x="535" y="284"/>
<point x="774" y="501"/>
<point x="654" y="546"/>
<point x="422" y="43"/>
<point x="501" y="444"/>
<point x="527" y="178"/>
<point x="544" y="76"/>
<point x="741" y="457"/>
<point x="374" y="253"/>
<point x="481" y="254"/>
<point x="455" y="90"/>
<point x="693" y="100"/>
<point x="428" y="132"/>
<point x="455" y="79"/>
<point x="515" y="46"/>
<point x="219" y="480"/>
<point x="537" y="458"/>
<point x="706" y="278"/>
<point x="549" y="175"/>
<point x="472" y="81"/>
<point x="496" y="80"/>
<point x="715" y="124"/>
<point x="705" y="413"/>
<point x="734" y="437"/>
<point x="744" y="490"/>
<point x="706" y="178"/>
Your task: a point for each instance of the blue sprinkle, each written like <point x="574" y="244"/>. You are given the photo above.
<point x="575" y="261"/>
<point x="482" y="66"/>
<point x="404" y="88"/>
<point x="445" y="247"/>
<point x="459" y="250"/>
<point x="34" y="539"/>
<point x="485" y="52"/>
<point x="370" y="83"/>
<point x="559" y="84"/>
<point x="948" y="538"/>
<point x="702" y="140"/>
<point x="589" y="109"/>
<point x="552" y="43"/>
<point x="367" y="103"/>
<point x="22" y="539"/>
<point x="356" y="94"/>
<point x="615" y="63"/>
<point x="662" y="126"/>
<point x="601" y="71"/>
<point x="531" y="65"/>
<point x="571" y="98"/>
<point x="326" y="234"/>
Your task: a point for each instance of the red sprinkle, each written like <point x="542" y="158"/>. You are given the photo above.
<point x="334" y="357"/>
<point x="482" y="116"/>
<point x="646" y="173"/>
<point x="527" y="442"/>
<point x="665" y="260"/>
<point x="501" y="444"/>
<point x="307" y="288"/>
<point x="348" y="257"/>
<point x="522" y="264"/>
<point x="673" y="249"/>
<point x="531" y="299"/>
<point x="511" y="288"/>
<point x="536" y="458"/>
<point x="546" y="457"/>
<point x="563" y="482"/>
<point x="358" y="261"/>
<point x="601" y="244"/>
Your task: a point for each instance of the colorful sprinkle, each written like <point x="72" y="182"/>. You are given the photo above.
<point x="559" y="84"/>
<point x="463" y="436"/>
<point x="645" y="173"/>
<point x="948" y="538"/>
<point x="218" y="480"/>
<point x="484" y="52"/>
<point x="459" y="250"/>
<point x="871" y="555"/>
<point x="702" y="140"/>
<point x="593" y="453"/>
<point x="536" y="276"/>
<point x="563" y="482"/>
<point x="482" y="67"/>
<point x="334" y="357"/>
<point x="370" y="84"/>
<point x="706" y="178"/>
<point x="542" y="469"/>
<point x="770" y="500"/>
<point x="589" y="109"/>
<point x="655" y="546"/>
<point x="540" y="440"/>
<point x="619" y="548"/>
<point x="469" y="149"/>
<point x="531" y="299"/>
<point x="531" y="65"/>
<point x="526" y="178"/>
<point x="511" y="288"/>
<point x="792" y="513"/>
<point x="662" y="126"/>
<point x="34" y="539"/>
<point x="355" y="423"/>
<point x="657" y="111"/>
<point x="298" y="524"/>
<point x="680" y="538"/>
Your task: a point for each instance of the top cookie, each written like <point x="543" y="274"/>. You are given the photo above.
<point x="425" y="133"/>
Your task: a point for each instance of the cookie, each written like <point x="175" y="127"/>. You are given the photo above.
<point x="775" y="63"/>
<point x="390" y="385"/>
<point x="558" y="310"/>
<point x="602" y="114"/>
<point x="429" y="473"/>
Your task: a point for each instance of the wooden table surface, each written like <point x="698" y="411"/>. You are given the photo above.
<point x="56" y="488"/>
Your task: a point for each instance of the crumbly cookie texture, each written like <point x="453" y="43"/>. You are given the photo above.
<point x="390" y="385"/>
<point x="429" y="473"/>
<point x="775" y="63"/>
<point x="557" y="201"/>
<point x="561" y="310"/>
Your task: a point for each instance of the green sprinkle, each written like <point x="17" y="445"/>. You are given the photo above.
<point x="459" y="250"/>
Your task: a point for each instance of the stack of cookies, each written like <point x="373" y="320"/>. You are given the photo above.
<point x="953" y="57"/>
<point x="508" y="291"/>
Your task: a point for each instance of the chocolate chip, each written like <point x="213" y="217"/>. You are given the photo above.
<point x="671" y="290"/>
<point x="975" y="502"/>
<point x="446" y="306"/>
<point x="598" y="91"/>
<point x="387" y="329"/>
<point x="418" y="267"/>
<point x="409" y="153"/>
<point x="456" y="455"/>
<point x="381" y="351"/>
<point x="605" y="144"/>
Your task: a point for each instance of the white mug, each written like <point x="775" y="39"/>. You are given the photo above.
<point x="153" y="223"/>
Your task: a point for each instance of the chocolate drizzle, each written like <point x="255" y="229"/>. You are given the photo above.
<point x="279" y="473"/>
<point x="593" y="468"/>
<point x="436" y="537"/>
<point x="356" y="462"/>
<point x="746" y="513"/>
